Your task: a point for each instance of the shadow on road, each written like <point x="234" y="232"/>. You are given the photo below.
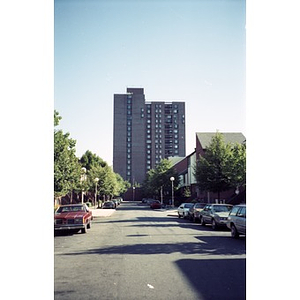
<point x="207" y="245"/>
<point x="166" y="222"/>
<point x="216" y="279"/>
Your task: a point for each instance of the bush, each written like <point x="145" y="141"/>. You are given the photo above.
<point x="89" y="204"/>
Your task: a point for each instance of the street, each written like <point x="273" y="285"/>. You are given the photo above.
<point x="139" y="253"/>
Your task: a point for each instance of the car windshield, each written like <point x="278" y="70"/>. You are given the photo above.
<point x="221" y="208"/>
<point x="75" y="208"/>
<point x="188" y="205"/>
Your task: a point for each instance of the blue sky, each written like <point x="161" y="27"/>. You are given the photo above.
<point x="192" y="51"/>
<point x="84" y="95"/>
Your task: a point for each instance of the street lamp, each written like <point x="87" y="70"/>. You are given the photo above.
<point x="82" y="179"/>
<point x="133" y="188"/>
<point x="172" y="181"/>
<point x="96" y="181"/>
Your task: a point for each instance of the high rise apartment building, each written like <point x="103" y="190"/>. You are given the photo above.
<point x="144" y="133"/>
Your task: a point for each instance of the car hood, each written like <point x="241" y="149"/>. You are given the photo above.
<point x="70" y="215"/>
<point x="222" y="214"/>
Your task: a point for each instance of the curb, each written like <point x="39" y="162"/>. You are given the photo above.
<point x="102" y="213"/>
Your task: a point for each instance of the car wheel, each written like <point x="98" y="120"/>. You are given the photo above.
<point x="84" y="230"/>
<point x="214" y="225"/>
<point x="234" y="232"/>
<point x="179" y="215"/>
<point x="202" y="221"/>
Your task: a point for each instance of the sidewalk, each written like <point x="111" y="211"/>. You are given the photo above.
<point x="99" y="212"/>
<point x="171" y="212"/>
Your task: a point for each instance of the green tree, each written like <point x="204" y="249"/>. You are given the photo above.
<point x="66" y="165"/>
<point x="158" y="180"/>
<point x="211" y="170"/>
<point x="110" y="183"/>
<point x="90" y="160"/>
<point x="236" y="166"/>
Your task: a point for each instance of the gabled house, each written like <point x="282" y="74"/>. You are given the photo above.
<point x="185" y="169"/>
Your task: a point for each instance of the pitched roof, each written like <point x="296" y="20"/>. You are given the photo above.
<point x="229" y="137"/>
<point x="175" y="159"/>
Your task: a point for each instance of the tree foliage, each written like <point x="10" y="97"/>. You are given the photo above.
<point x="236" y="166"/>
<point x="66" y="165"/>
<point x="68" y="169"/>
<point x="158" y="179"/>
<point x="223" y="166"/>
<point x="109" y="183"/>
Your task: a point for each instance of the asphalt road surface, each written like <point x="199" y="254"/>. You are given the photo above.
<point x="139" y="253"/>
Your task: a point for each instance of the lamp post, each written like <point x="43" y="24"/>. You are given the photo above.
<point x="133" y="189"/>
<point x="96" y="181"/>
<point x="82" y="179"/>
<point x="172" y="181"/>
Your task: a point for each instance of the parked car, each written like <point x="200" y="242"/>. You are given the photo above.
<point x="73" y="217"/>
<point x="236" y="221"/>
<point x="149" y="201"/>
<point x="155" y="204"/>
<point x="215" y="214"/>
<point x="109" y="205"/>
<point x="116" y="201"/>
<point x="194" y="212"/>
<point x="183" y="209"/>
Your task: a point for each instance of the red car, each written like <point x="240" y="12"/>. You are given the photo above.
<point x="155" y="204"/>
<point x="73" y="217"/>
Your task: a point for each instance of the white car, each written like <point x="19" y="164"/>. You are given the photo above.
<point x="215" y="214"/>
<point x="236" y="221"/>
<point x="183" y="209"/>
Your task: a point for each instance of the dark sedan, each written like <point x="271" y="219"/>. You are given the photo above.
<point x="194" y="212"/>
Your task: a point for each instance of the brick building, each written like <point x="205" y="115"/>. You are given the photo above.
<point x="185" y="169"/>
